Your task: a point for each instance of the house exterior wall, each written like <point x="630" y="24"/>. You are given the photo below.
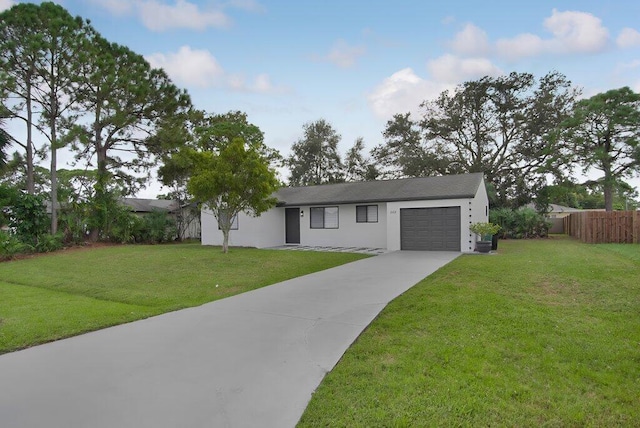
<point x="349" y="233"/>
<point x="261" y="232"/>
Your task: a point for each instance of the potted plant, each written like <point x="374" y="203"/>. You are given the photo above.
<point x="484" y="233"/>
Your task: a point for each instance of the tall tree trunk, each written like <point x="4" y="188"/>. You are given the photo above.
<point x="31" y="188"/>
<point x="608" y="191"/>
<point x="54" y="178"/>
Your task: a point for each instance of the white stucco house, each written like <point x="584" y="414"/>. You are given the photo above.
<point x="429" y="213"/>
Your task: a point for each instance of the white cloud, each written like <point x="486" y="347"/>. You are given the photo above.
<point x="116" y="7"/>
<point x="261" y="84"/>
<point x="628" y="38"/>
<point x="189" y="66"/>
<point x="403" y="92"/>
<point x="159" y="17"/>
<point x="6" y="4"/>
<point x="344" y="55"/>
<point x="471" y="40"/>
<point x="523" y="45"/>
<point x="453" y="70"/>
<point x="573" y="32"/>
<point x="576" y="32"/>
<point x="199" y="68"/>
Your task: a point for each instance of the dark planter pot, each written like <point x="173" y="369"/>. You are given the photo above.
<point x="494" y="243"/>
<point x="483" y="246"/>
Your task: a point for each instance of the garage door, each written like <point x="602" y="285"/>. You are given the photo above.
<point x="430" y="229"/>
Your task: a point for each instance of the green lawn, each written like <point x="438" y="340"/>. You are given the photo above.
<point x="545" y="333"/>
<point x="70" y="292"/>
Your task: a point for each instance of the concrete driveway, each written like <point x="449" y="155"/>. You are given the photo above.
<point x="251" y="360"/>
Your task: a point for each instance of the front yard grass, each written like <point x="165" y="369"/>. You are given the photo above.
<point x="545" y="333"/>
<point x="71" y="292"/>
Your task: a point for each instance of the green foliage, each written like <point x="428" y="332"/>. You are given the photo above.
<point x="605" y="133"/>
<point x="48" y="243"/>
<point x="11" y="246"/>
<point x="314" y="158"/>
<point x="357" y="167"/>
<point x="29" y="218"/>
<point x="156" y="227"/>
<point x="522" y="223"/>
<point x="589" y="195"/>
<point x="484" y="230"/>
<point x="504" y="127"/>
<point x="235" y="179"/>
<point x="5" y="142"/>
<point x="405" y="152"/>
<point x="28" y="222"/>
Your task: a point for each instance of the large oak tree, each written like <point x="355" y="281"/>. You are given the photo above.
<point x="504" y="127"/>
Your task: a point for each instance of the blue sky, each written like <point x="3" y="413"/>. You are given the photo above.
<point x="355" y="63"/>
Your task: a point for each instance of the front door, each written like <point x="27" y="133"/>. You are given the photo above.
<point x="292" y="225"/>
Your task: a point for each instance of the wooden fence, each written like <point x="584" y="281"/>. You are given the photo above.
<point x="599" y="227"/>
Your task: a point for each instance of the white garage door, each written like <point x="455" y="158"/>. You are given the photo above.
<point x="430" y="229"/>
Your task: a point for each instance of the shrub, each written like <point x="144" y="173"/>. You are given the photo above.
<point x="484" y="230"/>
<point x="156" y="227"/>
<point x="522" y="223"/>
<point x="11" y="246"/>
<point x="29" y="218"/>
<point x="48" y="242"/>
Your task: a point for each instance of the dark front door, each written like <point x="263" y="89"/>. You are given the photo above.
<point x="292" y="225"/>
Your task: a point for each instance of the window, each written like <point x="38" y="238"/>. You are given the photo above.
<point x="324" y="217"/>
<point x="234" y="222"/>
<point x="366" y="214"/>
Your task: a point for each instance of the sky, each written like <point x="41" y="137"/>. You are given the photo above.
<point x="356" y="63"/>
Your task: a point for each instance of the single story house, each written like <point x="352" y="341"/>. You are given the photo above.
<point x="428" y="213"/>
<point x="185" y="216"/>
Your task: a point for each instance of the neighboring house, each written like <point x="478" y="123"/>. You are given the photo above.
<point x="556" y="214"/>
<point x="430" y="213"/>
<point x="560" y="211"/>
<point x="185" y="216"/>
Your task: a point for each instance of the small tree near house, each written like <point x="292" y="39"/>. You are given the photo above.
<point x="235" y="178"/>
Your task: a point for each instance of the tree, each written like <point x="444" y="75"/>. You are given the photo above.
<point x="356" y="166"/>
<point x="130" y="111"/>
<point x="40" y="52"/>
<point x="19" y="51"/>
<point x="315" y="158"/>
<point x="126" y="103"/>
<point x="504" y="127"/>
<point x="407" y="153"/>
<point x="5" y="142"/>
<point x="235" y="178"/>
<point x="605" y="132"/>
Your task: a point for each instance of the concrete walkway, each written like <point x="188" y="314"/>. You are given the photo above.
<point x="251" y="360"/>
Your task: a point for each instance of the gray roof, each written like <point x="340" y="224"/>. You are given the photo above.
<point x="147" y="205"/>
<point x="407" y="189"/>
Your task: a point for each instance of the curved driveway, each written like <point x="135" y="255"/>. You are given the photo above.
<point x="246" y="361"/>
